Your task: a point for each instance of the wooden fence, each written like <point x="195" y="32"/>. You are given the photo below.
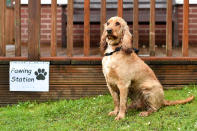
<point x="34" y="31"/>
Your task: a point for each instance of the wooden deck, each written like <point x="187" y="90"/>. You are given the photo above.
<point x="160" y="51"/>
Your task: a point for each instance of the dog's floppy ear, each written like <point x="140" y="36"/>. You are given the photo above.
<point x="126" y="40"/>
<point x="103" y="43"/>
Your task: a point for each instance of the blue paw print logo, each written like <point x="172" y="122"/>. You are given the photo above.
<point x="40" y="74"/>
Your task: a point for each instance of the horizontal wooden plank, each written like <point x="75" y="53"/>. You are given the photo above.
<point x="76" y="81"/>
<point x="98" y="58"/>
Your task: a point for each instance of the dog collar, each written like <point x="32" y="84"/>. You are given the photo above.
<point x="111" y="53"/>
<point x="118" y="49"/>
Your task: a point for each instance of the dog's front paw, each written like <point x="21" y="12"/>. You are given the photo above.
<point x="120" y="116"/>
<point x="113" y="113"/>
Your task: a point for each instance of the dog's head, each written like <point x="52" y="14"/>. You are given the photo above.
<point x="116" y="32"/>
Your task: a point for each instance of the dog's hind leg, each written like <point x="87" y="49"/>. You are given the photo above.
<point x="153" y="97"/>
<point x="115" y="96"/>
<point x="150" y="106"/>
<point x="137" y="105"/>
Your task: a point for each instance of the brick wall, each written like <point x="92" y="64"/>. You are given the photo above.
<point x="45" y="24"/>
<point x="192" y="23"/>
<point x="95" y="28"/>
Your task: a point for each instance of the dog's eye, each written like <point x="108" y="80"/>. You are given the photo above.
<point x="117" y="23"/>
<point x="107" y="23"/>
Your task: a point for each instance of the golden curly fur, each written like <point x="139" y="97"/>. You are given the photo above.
<point x="119" y="34"/>
<point x="127" y="75"/>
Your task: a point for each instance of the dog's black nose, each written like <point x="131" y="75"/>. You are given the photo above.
<point x="109" y="31"/>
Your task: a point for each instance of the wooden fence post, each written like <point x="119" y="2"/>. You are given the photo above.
<point x="70" y="28"/>
<point x="169" y="28"/>
<point x="135" y="24"/>
<point x="185" y="35"/>
<point x="103" y="15"/>
<point x="17" y="15"/>
<point x="34" y="30"/>
<point x="120" y="8"/>
<point x="86" y="27"/>
<point x="2" y="28"/>
<point x="53" y="28"/>
<point x="152" y="28"/>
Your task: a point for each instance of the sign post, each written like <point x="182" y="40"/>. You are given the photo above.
<point x="29" y="76"/>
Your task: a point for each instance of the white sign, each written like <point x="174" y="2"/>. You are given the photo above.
<point x="29" y="76"/>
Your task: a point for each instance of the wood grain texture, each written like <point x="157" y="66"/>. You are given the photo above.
<point x="54" y="28"/>
<point x="70" y="28"/>
<point x="103" y="15"/>
<point x="66" y="82"/>
<point x="92" y="58"/>
<point x="169" y="28"/>
<point x="120" y="8"/>
<point x="86" y="27"/>
<point x="2" y="28"/>
<point x="76" y="81"/>
<point x="135" y="24"/>
<point x="152" y="28"/>
<point x="34" y="30"/>
<point x="17" y="17"/>
<point x="9" y="26"/>
<point x="185" y="38"/>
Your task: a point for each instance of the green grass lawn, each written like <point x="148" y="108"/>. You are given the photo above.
<point x="91" y="114"/>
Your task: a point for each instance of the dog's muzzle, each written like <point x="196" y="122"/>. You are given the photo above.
<point x="109" y="31"/>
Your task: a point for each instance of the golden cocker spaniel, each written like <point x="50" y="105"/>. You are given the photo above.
<point x="127" y="75"/>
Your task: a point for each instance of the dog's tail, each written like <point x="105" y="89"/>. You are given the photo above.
<point x="170" y="103"/>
